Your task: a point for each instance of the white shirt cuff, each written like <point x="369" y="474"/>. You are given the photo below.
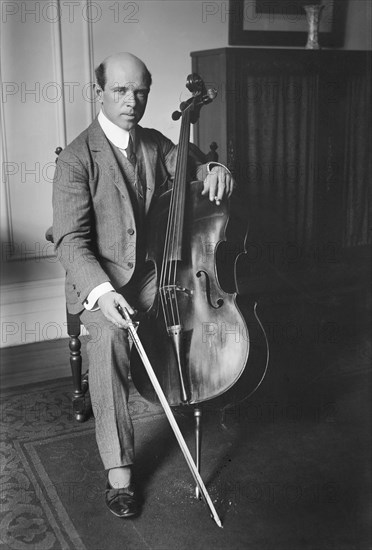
<point x="91" y="302"/>
<point x="212" y="164"/>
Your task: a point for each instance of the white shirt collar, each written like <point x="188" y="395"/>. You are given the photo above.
<point x="116" y="135"/>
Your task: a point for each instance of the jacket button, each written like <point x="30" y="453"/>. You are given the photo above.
<point x="130" y="265"/>
<point x="130" y="231"/>
<point x="78" y="293"/>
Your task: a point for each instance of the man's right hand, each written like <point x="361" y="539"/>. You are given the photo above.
<point x="108" y="304"/>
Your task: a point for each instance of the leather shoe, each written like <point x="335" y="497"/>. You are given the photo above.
<point x="124" y="502"/>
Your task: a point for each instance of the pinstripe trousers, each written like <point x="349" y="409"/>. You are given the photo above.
<point x="109" y="366"/>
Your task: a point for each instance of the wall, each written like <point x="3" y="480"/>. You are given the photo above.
<point x="48" y="51"/>
<point x="40" y="51"/>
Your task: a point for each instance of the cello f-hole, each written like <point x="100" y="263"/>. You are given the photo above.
<point x="220" y="301"/>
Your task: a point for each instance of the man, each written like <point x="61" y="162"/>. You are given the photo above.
<point x="104" y="183"/>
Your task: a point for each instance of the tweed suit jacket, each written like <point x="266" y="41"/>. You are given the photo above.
<point x="94" y="227"/>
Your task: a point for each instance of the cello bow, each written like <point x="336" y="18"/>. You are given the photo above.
<point x="169" y="414"/>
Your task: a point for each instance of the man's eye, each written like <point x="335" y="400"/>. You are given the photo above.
<point x="141" y="94"/>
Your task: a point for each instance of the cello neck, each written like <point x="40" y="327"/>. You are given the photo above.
<point x="173" y="246"/>
<point x="190" y="113"/>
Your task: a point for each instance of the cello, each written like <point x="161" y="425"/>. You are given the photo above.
<point x="204" y="343"/>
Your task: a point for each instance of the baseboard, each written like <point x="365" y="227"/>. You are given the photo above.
<point x="32" y="311"/>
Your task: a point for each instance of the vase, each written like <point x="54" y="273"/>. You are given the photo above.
<point x="313" y="15"/>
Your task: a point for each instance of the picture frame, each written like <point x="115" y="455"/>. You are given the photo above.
<point x="284" y="23"/>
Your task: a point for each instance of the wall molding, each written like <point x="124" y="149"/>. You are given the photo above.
<point x="90" y="60"/>
<point x="4" y="175"/>
<point x="59" y="78"/>
<point x="33" y="311"/>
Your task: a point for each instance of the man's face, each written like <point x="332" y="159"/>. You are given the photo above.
<point x="124" y="98"/>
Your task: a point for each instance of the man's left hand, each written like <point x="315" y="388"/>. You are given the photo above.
<point x="218" y="184"/>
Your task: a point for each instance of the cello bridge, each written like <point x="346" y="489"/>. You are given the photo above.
<point x="169" y="290"/>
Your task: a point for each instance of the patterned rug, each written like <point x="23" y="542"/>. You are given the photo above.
<point x="49" y="460"/>
<point x="283" y="474"/>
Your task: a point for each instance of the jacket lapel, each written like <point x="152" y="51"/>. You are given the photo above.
<point x="149" y="152"/>
<point x="105" y="158"/>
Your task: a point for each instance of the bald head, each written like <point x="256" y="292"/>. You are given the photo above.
<point x="123" y="85"/>
<point x="124" y="59"/>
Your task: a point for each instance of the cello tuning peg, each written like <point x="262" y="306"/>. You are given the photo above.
<point x="212" y="93"/>
<point x="176" y="115"/>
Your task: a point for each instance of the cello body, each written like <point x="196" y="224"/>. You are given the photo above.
<point x="218" y="353"/>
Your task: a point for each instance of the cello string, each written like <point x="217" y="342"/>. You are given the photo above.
<point x="166" y="261"/>
<point x="173" y="236"/>
<point x="181" y="210"/>
<point x="173" y="226"/>
<point x="177" y="235"/>
<point x="179" y="206"/>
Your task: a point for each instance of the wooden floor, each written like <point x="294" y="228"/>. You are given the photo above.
<point x="297" y="454"/>
<point x="36" y="362"/>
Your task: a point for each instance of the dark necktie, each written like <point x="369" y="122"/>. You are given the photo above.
<point x="131" y="155"/>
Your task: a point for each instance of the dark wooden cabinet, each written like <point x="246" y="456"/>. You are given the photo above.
<point x="294" y="126"/>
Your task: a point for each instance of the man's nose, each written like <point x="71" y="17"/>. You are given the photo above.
<point x="130" y="98"/>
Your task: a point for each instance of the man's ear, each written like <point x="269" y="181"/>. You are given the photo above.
<point x="98" y="91"/>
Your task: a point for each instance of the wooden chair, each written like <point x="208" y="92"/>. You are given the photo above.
<point x="81" y="404"/>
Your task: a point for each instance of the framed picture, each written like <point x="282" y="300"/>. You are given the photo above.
<point x="284" y="23"/>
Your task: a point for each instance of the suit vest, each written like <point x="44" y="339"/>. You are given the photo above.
<point x="135" y="179"/>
